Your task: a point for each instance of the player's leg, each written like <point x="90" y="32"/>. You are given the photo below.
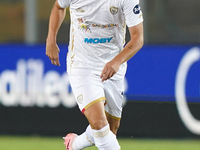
<point x="97" y="120"/>
<point x="95" y="114"/>
<point x="114" y="95"/>
<point x="79" y="82"/>
<point x="104" y="138"/>
<point x="86" y="139"/>
<point x="90" y="97"/>
<point x="113" y="122"/>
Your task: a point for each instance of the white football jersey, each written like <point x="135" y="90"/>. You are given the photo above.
<point x="97" y="32"/>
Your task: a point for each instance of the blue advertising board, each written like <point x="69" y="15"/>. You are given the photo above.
<point x="26" y="73"/>
<point x="153" y="70"/>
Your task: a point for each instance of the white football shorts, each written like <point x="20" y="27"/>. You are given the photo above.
<point x="89" y="89"/>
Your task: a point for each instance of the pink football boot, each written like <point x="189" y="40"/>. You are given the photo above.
<point x="68" y="140"/>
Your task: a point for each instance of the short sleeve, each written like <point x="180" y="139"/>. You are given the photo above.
<point x="64" y="3"/>
<point x="132" y="12"/>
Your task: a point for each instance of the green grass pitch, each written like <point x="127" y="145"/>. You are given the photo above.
<point x="56" y="143"/>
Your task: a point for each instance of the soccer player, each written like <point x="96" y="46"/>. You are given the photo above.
<point x="96" y="62"/>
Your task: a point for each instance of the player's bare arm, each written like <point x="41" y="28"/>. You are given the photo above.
<point x="131" y="48"/>
<point x="56" y="18"/>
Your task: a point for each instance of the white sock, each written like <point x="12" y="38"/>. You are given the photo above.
<point x="105" y="139"/>
<point x="90" y="137"/>
<point x="84" y="140"/>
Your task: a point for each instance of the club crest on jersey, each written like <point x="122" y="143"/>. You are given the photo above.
<point x="80" y="98"/>
<point x="113" y="10"/>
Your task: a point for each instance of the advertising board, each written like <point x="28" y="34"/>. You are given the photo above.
<point x="155" y="74"/>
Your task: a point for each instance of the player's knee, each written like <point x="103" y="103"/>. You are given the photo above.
<point x="98" y="124"/>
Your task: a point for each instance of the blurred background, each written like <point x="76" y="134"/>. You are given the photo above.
<point x="166" y="22"/>
<point x="162" y="97"/>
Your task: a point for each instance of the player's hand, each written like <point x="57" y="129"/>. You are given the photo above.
<point x="52" y="51"/>
<point x="109" y="70"/>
